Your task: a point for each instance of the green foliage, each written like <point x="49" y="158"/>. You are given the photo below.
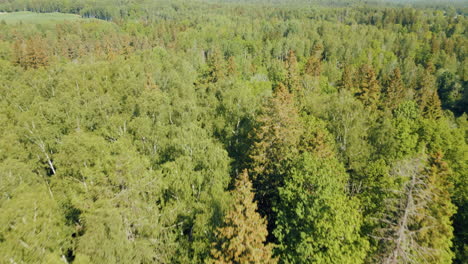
<point x="33" y="228"/>
<point x="317" y="222"/>
<point x="123" y="130"/>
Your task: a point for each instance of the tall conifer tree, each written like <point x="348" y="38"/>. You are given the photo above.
<point x="242" y="237"/>
<point x="275" y="145"/>
<point x="369" y="87"/>
<point x="347" y="81"/>
<point x="395" y="92"/>
<point x="292" y="78"/>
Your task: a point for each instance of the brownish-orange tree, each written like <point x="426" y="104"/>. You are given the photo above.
<point x="216" y="66"/>
<point x="242" y="237"/>
<point x="31" y="53"/>
<point x="347" y="81"/>
<point x="313" y="66"/>
<point x="231" y="67"/>
<point x="369" y="87"/>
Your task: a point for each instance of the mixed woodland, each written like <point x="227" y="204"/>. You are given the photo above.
<point x="234" y="132"/>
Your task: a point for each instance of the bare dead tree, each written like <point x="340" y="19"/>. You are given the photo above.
<point x="42" y="146"/>
<point x="403" y="214"/>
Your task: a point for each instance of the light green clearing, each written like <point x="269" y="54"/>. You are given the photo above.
<point x="36" y="18"/>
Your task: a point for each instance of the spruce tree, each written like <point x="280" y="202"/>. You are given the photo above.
<point x="313" y="66"/>
<point x="232" y="67"/>
<point x="317" y="222"/>
<point x="433" y="107"/>
<point x="292" y="78"/>
<point x="369" y="87"/>
<point x="275" y="145"/>
<point x="36" y="54"/>
<point x="242" y="237"/>
<point x="434" y="220"/>
<point x="427" y="97"/>
<point x="18" y="52"/>
<point x="216" y="66"/>
<point x="395" y="92"/>
<point x="347" y="81"/>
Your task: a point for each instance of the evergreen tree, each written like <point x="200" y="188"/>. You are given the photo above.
<point x="275" y="145"/>
<point x="369" y="87"/>
<point x="434" y="220"/>
<point x="317" y="222"/>
<point x="433" y="108"/>
<point x="31" y="53"/>
<point x="347" y="79"/>
<point x="313" y="66"/>
<point x="232" y="67"/>
<point x="427" y="97"/>
<point x="36" y="53"/>
<point x="395" y="92"/>
<point x="216" y="66"/>
<point x="292" y="78"/>
<point x="242" y="237"/>
<point x="18" y="52"/>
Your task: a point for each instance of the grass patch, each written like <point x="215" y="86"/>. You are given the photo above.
<point x="36" y="18"/>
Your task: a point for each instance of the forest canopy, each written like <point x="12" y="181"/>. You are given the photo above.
<point x="137" y="131"/>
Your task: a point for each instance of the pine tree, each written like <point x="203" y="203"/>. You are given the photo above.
<point x="316" y="139"/>
<point x="313" y="66"/>
<point x="430" y="67"/>
<point x="369" y="87"/>
<point x="242" y="237"/>
<point x="30" y="53"/>
<point x="395" y="92"/>
<point x="425" y="85"/>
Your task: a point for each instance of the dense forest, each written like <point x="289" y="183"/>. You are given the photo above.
<point x="234" y="132"/>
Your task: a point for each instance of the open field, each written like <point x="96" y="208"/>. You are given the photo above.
<point x="36" y="18"/>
